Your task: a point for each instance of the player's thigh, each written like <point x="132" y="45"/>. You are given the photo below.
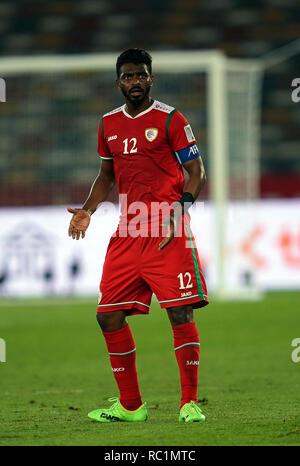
<point x="175" y="274"/>
<point x="121" y="286"/>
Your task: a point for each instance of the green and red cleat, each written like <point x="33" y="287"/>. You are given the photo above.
<point x="190" y="412"/>
<point x="116" y="413"/>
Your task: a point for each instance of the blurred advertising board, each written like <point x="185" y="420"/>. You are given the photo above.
<point x="37" y="257"/>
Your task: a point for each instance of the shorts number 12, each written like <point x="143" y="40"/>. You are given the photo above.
<point x="189" y="284"/>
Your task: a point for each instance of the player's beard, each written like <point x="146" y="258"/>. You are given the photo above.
<point x="138" y="99"/>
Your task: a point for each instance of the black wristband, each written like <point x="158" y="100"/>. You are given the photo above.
<point x="186" y="201"/>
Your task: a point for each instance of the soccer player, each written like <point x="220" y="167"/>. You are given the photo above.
<point x="143" y="146"/>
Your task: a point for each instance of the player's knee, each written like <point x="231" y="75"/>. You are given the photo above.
<point x="103" y="320"/>
<point x="180" y="315"/>
<point x="110" y="321"/>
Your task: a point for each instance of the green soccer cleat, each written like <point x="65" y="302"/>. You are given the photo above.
<point x="190" y="412"/>
<point x="116" y="413"/>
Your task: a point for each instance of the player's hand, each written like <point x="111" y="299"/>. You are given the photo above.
<point x="170" y="225"/>
<point x="79" y="223"/>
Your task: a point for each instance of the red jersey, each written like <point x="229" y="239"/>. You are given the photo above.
<point x="147" y="152"/>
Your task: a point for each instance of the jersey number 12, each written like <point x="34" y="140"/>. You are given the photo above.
<point x="132" y="144"/>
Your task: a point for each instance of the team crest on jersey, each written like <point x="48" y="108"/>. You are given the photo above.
<point x="151" y="134"/>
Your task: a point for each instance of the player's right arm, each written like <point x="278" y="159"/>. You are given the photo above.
<point x="98" y="193"/>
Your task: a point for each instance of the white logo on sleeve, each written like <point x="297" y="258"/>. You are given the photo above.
<point x="189" y="133"/>
<point x="193" y="150"/>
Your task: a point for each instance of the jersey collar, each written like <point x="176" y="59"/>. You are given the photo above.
<point x="139" y="114"/>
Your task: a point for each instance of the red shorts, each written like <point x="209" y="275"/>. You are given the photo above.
<point x="134" y="268"/>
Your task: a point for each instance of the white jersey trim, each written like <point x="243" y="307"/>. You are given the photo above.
<point x="160" y="106"/>
<point x="116" y="110"/>
<point x="139" y="114"/>
<point x="105" y="158"/>
<point x="163" y="107"/>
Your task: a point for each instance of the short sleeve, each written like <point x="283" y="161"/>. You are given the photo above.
<point x="103" y="149"/>
<point x="179" y="132"/>
<point x="181" y="138"/>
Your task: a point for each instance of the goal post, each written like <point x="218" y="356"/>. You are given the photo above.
<point x="219" y="96"/>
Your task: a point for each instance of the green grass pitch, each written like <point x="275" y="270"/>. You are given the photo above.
<point x="57" y="370"/>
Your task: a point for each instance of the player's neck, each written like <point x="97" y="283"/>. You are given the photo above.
<point x="134" y="110"/>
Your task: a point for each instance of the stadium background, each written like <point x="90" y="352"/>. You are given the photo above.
<point x="48" y="160"/>
<point x="240" y="28"/>
<point x="49" y="121"/>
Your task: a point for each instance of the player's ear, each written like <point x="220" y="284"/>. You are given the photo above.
<point x="118" y="82"/>
<point x="152" y="80"/>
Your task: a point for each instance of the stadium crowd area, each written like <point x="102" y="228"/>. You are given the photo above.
<point x="46" y="147"/>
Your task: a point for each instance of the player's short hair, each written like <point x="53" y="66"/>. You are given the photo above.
<point x="135" y="56"/>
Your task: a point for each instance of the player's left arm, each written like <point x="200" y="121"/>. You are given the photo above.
<point x="183" y="142"/>
<point x="197" y="176"/>
<point x="193" y="187"/>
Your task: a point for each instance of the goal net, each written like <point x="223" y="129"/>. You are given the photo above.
<point x="48" y="144"/>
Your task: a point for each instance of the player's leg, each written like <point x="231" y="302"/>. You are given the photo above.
<point x="176" y="278"/>
<point x="187" y="352"/>
<point x="111" y="321"/>
<point x="122" y="353"/>
<point x="179" y="315"/>
<point x="120" y="297"/>
<point x="121" y="349"/>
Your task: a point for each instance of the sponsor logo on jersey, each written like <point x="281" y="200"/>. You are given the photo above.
<point x="118" y="369"/>
<point x="151" y="134"/>
<point x="163" y="107"/>
<point x="187" y="293"/>
<point x="192" y="363"/>
<point x="189" y="133"/>
<point x="111" y="138"/>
